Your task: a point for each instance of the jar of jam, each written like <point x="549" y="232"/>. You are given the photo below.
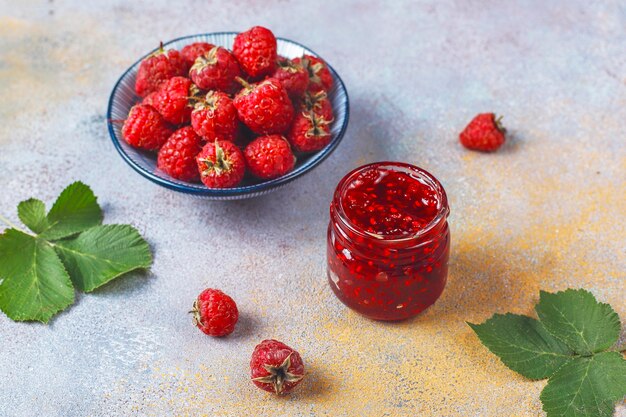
<point x="388" y="240"/>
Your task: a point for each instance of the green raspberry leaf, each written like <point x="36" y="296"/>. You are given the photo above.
<point x="523" y="345"/>
<point x="579" y="320"/>
<point x="102" y="253"/>
<point x="32" y="213"/>
<point x="35" y="286"/>
<point x="586" y="387"/>
<point x="75" y="210"/>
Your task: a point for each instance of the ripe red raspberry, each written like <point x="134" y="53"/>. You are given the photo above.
<point x="177" y="157"/>
<point x="221" y="164"/>
<point x="317" y="103"/>
<point x="275" y="367"/>
<point x="215" y="313"/>
<point x="215" y="117"/>
<point x="145" y="128"/>
<point x="309" y="132"/>
<point x="320" y="77"/>
<point x="484" y="133"/>
<point x="158" y="67"/>
<point x="269" y="157"/>
<point x="292" y="76"/>
<point x="193" y="51"/>
<point x="174" y="100"/>
<point x="255" y="49"/>
<point x="216" y="70"/>
<point x="264" y="107"/>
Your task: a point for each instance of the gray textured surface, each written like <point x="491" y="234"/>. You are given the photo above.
<point x="548" y="211"/>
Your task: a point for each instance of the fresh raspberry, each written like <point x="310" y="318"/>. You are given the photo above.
<point x="216" y="70"/>
<point x="215" y="117"/>
<point x="320" y="77"/>
<point x="484" y="133"/>
<point x="275" y="367"/>
<point x="221" y="164"/>
<point x="255" y="49"/>
<point x="269" y="157"/>
<point x="158" y="67"/>
<point x="264" y="107"/>
<point x="309" y="132"/>
<point x="215" y="313"/>
<point x="193" y="51"/>
<point x="317" y="103"/>
<point x="145" y="128"/>
<point x="177" y="157"/>
<point x="292" y="76"/>
<point x="175" y="98"/>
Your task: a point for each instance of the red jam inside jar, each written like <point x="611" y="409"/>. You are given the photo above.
<point x="388" y="240"/>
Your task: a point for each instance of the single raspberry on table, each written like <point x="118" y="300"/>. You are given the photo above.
<point x="175" y="99"/>
<point x="264" y="107"/>
<point x="145" y="128"/>
<point x="275" y="367"/>
<point x="216" y="70"/>
<point x="177" y="157"/>
<point x="484" y="133"/>
<point x="158" y="67"/>
<point x="215" y="117"/>
<point x="292" y="76"/>
<point x="269" y="157"/>
<point x="215" y="313"/>
<point x="317" y="103"/>
<point x="193" y="51"/>
<point x="255" y="49"/>
<point x="320" y="77"/>
<point x="221" y="164"/>
<point x="309" y="132"/>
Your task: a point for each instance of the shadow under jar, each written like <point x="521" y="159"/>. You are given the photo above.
<point x="388" y="240"/>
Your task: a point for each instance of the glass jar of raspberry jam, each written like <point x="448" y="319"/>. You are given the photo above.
<point x="388" y="240"/>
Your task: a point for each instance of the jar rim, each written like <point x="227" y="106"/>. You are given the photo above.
<point x="443" y="209"/>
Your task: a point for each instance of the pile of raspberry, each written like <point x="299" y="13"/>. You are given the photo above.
<point x="214" y="115"/>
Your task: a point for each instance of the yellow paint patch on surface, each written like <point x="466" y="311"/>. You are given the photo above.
<point x="432" y="365"/>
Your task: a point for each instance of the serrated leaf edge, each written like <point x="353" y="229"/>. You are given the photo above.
<point x="588" y="358"/>
<point x="473" y="327"/>
<point x="571" y="290"/>
<point x="43" y="319"/>
<point x="143" y="266"/>
<point x="52" y="224"/>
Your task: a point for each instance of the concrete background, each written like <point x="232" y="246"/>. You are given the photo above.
<point x="547" y="212"/>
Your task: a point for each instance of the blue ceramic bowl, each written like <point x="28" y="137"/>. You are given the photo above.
<point x="123" y="97"/>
